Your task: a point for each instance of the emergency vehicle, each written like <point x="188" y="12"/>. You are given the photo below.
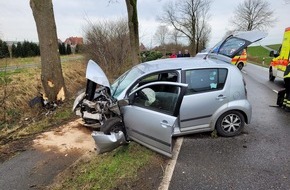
<point x="240" y="60"/>
<point x="280" y="60"/>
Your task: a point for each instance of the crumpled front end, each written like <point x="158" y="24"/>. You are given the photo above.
<point x="95" y="106"/>
<point x="107" y="143"/>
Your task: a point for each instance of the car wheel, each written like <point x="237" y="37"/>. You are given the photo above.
<point x="240" y="66"/>
<point x="230" y="124"/>
<point x="113" y="124"/>
<point x="271" y="77"/>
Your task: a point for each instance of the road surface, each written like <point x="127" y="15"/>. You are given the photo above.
<point x="52" y="152"/>
<point x="257" y="159"/>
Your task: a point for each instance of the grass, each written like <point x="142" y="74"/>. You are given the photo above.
<point x="34" y="60"/>
<point x="41" y="121"/>
<point x="110" y="170"/>
<point x="22" y="85"/>
<point x="274" y="46"/>
<point x="259" y="55"/>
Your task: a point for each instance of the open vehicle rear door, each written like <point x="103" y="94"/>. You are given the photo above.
<point x="232" y="45"/>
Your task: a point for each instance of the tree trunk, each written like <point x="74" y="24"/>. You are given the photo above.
<point x="133" y="30"/>
<point x="51" y="71"/>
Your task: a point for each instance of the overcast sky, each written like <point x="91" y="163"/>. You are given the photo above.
<point x="17" y="23"/>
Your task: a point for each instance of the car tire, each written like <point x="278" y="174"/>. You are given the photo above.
<point x="271" y="76"/>
<point x="230" y="124"/>
<point x="113" y="124"/>
<point x="240" y="66"/>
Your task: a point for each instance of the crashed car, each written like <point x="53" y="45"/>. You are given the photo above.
<point x="157" y="100"/>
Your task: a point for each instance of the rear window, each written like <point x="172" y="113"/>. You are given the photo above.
<point x="204" y="80"/>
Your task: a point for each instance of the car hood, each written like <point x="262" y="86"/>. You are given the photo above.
<point x="96" y="74"/>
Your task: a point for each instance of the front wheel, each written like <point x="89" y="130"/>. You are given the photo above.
<point x="230" y="124"/>
<point x="240" y="66"/>
<point x="113" y="124"/>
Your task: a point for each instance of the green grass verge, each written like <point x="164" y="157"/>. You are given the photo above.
<point x="110" y="170"/>
<point x="259" y="55"/>
<point x="274" y="46"/>
<point x="6" y="62"/>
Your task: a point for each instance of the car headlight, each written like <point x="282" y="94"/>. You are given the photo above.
<point x="77" y="100"/>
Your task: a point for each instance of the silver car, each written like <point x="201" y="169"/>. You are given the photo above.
<point x="156" y="100"/>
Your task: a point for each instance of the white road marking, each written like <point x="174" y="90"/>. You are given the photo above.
<point x="275" y="91"/>
<point x="171" y="165"/>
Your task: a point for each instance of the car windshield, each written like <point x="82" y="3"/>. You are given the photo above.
<point x="124" y="80"/>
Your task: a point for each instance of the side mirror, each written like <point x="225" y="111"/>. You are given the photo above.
<point x="273" y="53"/>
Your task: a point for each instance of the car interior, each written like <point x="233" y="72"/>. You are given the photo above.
<point x="165" y="96"/>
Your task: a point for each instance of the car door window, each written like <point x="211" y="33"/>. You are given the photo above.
<point x="157" y="98"/>
<point x="171" y="76"/>
<point x="204" y="80"/>
<point x="164" y="76"/>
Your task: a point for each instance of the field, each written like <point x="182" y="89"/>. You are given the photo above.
<point x="259" y="55"/>
<point x="274" y="46"/>
<point x="20" y="83"/>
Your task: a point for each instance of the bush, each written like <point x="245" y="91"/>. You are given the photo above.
<point x="150" y="55"/>
<point x="107" y="43"/>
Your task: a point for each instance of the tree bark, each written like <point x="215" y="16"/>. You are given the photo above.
<point x="133" y="30"/>
<point x="51" y="71"/>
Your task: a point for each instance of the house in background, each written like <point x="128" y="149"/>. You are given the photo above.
<point x="73" y="42"/>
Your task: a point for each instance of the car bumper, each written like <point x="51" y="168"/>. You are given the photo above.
<point x="107" y="143"/>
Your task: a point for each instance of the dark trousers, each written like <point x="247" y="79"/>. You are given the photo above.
<point x="287" y="94"/>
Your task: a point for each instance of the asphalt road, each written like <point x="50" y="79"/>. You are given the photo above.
<point x="259" y="158"/>
<point x="34" y="169"/>
<point x="52" y="152"/>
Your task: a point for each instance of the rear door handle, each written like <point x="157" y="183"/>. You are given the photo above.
<point x="220" y="97"/>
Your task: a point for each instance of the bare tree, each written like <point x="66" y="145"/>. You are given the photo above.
<point x="51" y="71"/>
<point x="253" y="14"/>
<point x="203" y="29"/>
<point x="203" y="38"/>
<point x="175" y="35"/>
<point x="184" y="16"/>
<point x="108" y="44"/>
<point x="161" y="34"/>
<point x="133" y="30"/>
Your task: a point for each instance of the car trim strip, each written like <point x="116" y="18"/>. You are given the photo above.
<point x="150" y="137"/>
<point x="202" y="117"/>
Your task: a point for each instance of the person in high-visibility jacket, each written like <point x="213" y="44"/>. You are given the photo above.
<point x="286" y="103"/>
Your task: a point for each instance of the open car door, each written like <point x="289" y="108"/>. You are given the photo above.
<point x="152" y="114"/>
<point x="232" y="45"/>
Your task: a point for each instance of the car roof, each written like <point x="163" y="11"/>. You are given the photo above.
<point x="181" y="63"/>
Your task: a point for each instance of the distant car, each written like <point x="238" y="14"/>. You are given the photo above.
<point x="156" y="100"/>
<point x="240" y="60"/>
